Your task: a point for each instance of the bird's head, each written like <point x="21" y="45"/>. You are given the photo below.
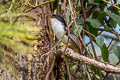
<point x="57" y="19"/>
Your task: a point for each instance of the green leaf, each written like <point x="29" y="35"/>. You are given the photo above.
<point x="78" y="8"/>
<point x="79" y="21"/>
<point x="101" y="16"/>
<point x="114" y="17"/>
<point x="102" y="5"/>
<point x="116" y="50"/>
<point x="94" y="22"/>
<point x="112" y="9"/>
<point x="93" y="30"/>
<point x="55" y="4"/>
<point x="72" y="65"/>
<point x="113" y="23"/>
<point x="77" y="70"/>
<point x="105" y="53"/>
<point x="97" y="1"/>
<point x="79" y="29"/>
<point x="92" y="4"/>
<point x="100" y="42"/>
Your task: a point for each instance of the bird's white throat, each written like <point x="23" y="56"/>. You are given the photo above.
<point x="58" y="29"/>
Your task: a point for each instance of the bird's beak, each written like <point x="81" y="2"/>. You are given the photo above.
<point x="51" y="17"/>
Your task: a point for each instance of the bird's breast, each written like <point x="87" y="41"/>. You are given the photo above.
<point x="59" y="32"/>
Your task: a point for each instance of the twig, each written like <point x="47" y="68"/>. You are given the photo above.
<point x="84" y="16"/>
<point x="110" y="43"/>
<point x="117" y="35"/>
<point x="111" y="4"/>
<point x="11" y="6"/>
<point x="52" y="48"/>
<point x="94" y="38"/>
<point x="89" y="33"/>
<point x="72" y="15"/>
<point x="43" y="3"/>
<point x="68" y="70"/>
<point x="50" y="70"/>
<point x="94" y="74"/>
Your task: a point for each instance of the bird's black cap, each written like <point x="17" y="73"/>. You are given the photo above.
<point x="60" y="18"/>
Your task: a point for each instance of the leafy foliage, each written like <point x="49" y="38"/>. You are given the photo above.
<point x="19" y="38"/>
<point x="94" y="22"/>
<point x="100" y="42"/>
<point x="114" y="17"/>
<point x="17" y="34"/>
<point x="116" y="50"/>
<point x="105" y="53"/>
<point x="93" y="18"/>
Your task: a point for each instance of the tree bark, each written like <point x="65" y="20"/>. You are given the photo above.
<point x="32" y="67"/>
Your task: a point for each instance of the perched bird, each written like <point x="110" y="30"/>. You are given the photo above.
<point x="59" y="28"/>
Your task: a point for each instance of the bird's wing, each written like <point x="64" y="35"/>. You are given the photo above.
<point x="76" y="40"/>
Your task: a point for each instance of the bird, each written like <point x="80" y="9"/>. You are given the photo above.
<point x="59" y="27"/>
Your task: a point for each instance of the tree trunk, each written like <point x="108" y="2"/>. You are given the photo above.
<point x="32" y="66"/>
<point x="40" y="65"/>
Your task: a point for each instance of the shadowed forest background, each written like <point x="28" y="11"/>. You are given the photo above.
<point x="29" y="49"/>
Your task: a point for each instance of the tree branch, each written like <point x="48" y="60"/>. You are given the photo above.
<point x="91" y="62"/>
